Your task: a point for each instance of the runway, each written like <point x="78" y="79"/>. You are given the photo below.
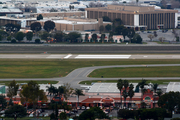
<point x="88" y="56"/>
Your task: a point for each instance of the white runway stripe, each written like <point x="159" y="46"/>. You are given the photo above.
<point x="66" y="57"/>
<point x="102" y="56"/>
<point x="55" y="56"/>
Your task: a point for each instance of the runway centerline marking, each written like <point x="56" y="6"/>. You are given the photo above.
<point x="69" y="55"/>
<point x="102" y="56"/>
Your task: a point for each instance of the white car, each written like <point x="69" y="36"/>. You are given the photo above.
<point x="3" y="111"/>
<point x="83" y="107"/>
<point x="87" y="108"/>
<point x="3" y="115"/>
<point x="31" y="115"/>
<point x="46" y="115"/>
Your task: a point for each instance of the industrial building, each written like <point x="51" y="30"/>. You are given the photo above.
<point x="76" y="24"/>
<point x="136" y="16"/>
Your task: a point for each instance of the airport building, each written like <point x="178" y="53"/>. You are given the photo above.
<point x="137" y="17"/>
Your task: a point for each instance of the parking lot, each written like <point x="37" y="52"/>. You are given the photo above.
<point x="169" y="36"/>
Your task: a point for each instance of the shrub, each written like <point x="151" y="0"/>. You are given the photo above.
<point x="37" y="40"/>
<point x="13" y="41"/>
<point x="63" y="116"/>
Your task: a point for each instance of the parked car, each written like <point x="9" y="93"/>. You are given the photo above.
<point x="3" y="115"/>
<point x="46" y="115"/>
<point x="31" y="115"/>
<point x="87" y="108"/>
<point x="83" y="108"/>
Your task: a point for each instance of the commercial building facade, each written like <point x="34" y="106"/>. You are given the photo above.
<point x="138" y="17"/>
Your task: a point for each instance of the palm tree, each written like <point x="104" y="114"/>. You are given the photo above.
<point x="131" y="92"/>
<point x="50" y="90"/>
<point x="120" y="86"/>
<point x="141" y="85"/>
<point x="125" y="95"/>
<point x="78" y="92"/>
<point x="126" y="84"/>
<point x="159" y="93"/>
<point x="60" y="91"/>
<point x="154" y="86"/>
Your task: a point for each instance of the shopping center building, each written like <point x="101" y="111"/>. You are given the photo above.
<point x="137" y="17"/>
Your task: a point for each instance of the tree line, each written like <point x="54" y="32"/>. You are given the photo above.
<point x="30" y="94"/>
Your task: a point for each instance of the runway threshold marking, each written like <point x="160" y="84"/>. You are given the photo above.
<point x="69" y="55"/>
<point x="102" y="56"/>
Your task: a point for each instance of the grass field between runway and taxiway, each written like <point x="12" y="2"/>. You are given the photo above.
<point x="165" y="82"/>
<point x="43" y="68"/>
<point x="170" y="71"/>
<point x="39" y="82"/>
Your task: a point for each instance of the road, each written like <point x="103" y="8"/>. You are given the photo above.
<point x="90" y="49"/>
<point x="81" y="74"/>
<point x="89" y="56"/>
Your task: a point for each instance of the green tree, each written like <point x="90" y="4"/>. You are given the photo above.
<point x="3" y="34"/>
<point x="32" y="93"/>
<point x="3" y="102"/>
<point x="67" y="90"/>
<point x="94" y="37"/>
<point x="125" y="93"/>
<point x="106" y="18"/>
<point x="36" y="26"/>
<point x="159" y="93"/>
<point x="119" y="30"/>
<point x="74" y="36"/>
<point x="124" y="32"/>
<point x="111" y="35"/>
<point x="60" y="91"/>
<point x="131" y="92"/>
<point x="63" y="116"/>
<point x="78" y="92"/>
<point x="103" y="37"/>
<point x="108" y="27"/>
<point x="39" y="17"/>
<point x="169" y="101"/>
<point x="136" y="39"/>
<point x="117" y="22"/>
<point x="37" y="40"/>
<point x="1" y="37"/>
<point x="92" y="114"/>
<point x="9" y="38"/>
<point x="11" y="102"/>
<point x="12" y="27"/>
<point x="130" y="34"/>
<point x="49" y="25"/>
<point x="19" y="36"/>
<point x="12" y="89"/>
<point x="120" y="87"/>
<point x="29" y="35"/>
<point x="141" y="84"/>
<point x="19" y="110"/>
<point x="50" y="90"/>
<point x="154" y="86"/>
<point x="86" y="37"/>
<point x="44" y="35"/>
<point x="101" y="29"/>
<point x="58" y="36"/>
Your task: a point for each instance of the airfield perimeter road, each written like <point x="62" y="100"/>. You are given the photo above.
<point x="81" y="74"/>
<point x="90" y="48"/>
